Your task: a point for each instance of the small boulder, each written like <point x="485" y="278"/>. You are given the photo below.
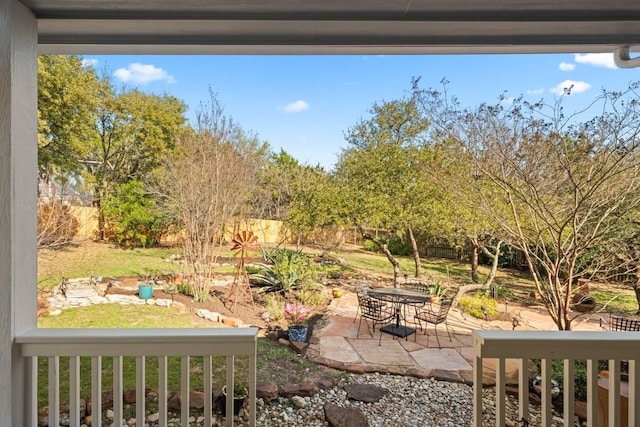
<point x="267" y="391"/>
<point x="290" y="389"/>
<point x="299" y="402"/>
<point x="368" y="393"/>
<point x="337" y="416"/>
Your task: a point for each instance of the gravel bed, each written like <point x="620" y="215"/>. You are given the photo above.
<point x="409" y="402"/>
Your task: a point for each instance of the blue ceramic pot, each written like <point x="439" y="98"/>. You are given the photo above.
<point x="145" y="291"/>
<point x="298" y="333"/>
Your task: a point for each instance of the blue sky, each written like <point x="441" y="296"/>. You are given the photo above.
<point x="304" y="104"/>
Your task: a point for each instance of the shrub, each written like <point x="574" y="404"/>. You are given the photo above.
<point x="185" y="288"/>
<point x="397" y="246"/>
<point x="310" y="295"/>
<point x="274" y="305"/>
<point x="580" y="375"/>
<point x="289" y="270"/>
<point x="370" y="245"/>
<point x="133" y="217"/>
<point x="56" y="225"/>
<point x="473" y="305"/>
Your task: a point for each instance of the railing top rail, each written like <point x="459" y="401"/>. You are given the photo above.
<point x="139" y="341"/>
<point x="557" y="344"/>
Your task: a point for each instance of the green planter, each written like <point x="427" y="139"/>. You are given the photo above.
<point x="145" y="291"/>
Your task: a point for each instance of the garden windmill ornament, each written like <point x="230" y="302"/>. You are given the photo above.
<point x="243" y="243"/>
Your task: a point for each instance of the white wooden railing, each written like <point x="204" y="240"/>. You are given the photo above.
<point x="117" y="343"/>
<point x="569" y="347"/>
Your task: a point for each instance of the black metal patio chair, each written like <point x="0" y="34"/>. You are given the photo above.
<point x="435" y="314"/>
<point x="621" y="323"/>
<point x="361" y="289"/>
<point x="377" y="311"/>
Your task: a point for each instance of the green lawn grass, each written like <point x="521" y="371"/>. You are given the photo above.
<point x="275" y="362"/>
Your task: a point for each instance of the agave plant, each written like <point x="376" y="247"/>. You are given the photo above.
<point x="286" y="271"/>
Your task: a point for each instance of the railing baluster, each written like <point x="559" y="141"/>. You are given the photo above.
<point x="545" y="368"/>
<point x="477" y="384"/>
<point x="500" y="391"/>
<point x="74" y="391"/>
<point x="162" y="391"/>
<point x="592" y="393"/>
<point x="54" y="391"/>
<point x="252" y="388"/>
<point x="184" y="390"/>
<point x="96" y="391"/>
<point x="32" y="394"/>
<point x="79" y="343"/>
<point x="634" y="392"/>
<point x="614" y="392"/>
<point x="230" y="385"/>
<point x="208" y="390"/>
<point x="569" y="392"/>
<point x="118" y="391"/>
<point x="523" y="390"/>
<point x="140" y="391"/>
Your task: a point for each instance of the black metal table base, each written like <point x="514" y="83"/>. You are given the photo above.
<point x="399" y="331"/>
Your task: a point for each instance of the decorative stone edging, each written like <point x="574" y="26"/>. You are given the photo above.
<point x="58" y="301"/>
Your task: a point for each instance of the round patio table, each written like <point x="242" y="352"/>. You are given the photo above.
<point x="400" y="298"/>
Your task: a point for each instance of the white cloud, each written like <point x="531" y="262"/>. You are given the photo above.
<point x="596" y="59"/>
<point x="535" y="91"/>
<point x="143" y="74"/>
<point x="576" y="87"/>
<point x="89" y="62"/>
<point x="296" y="106"/>
<point x="565" y="66"/>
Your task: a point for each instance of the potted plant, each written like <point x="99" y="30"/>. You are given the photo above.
<point x="437" y="291"/>
<point x="145" y="290"/>
<point x="240" y="394"/>
<point x="296" y="316"/>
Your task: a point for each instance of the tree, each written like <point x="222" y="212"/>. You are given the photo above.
<point x="381" y="169"/>
<point x="317" y="206"/>
<point x="277" y="185"/>
<point x="567" y="183"/>
<point x="67" y="103"/>
<point x="134" y="130"/>
<point x="209" y="178"/>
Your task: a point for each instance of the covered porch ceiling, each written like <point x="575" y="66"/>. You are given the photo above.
<point x="335" y="26"/>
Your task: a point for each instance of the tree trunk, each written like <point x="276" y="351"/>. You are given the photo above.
<point x="495" y="257"/>
<point x="492" y="275"/>
<point x="393" y="261"/>
<point x="475" y="249"/>
<point x="385" y="249"/>
<point x="98" y="205"/>
<point x="416" y="253"/>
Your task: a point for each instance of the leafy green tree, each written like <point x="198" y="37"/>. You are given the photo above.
<point x="134" y="131"/>
<point x="67" y="104"/>
<point x="381" y="169"/>
<point x="276" y="186"/>
<point x="134" y="217"/>
<point x="316" y="205"/>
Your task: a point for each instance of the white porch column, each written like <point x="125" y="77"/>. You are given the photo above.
<point x="18" y="160"/>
